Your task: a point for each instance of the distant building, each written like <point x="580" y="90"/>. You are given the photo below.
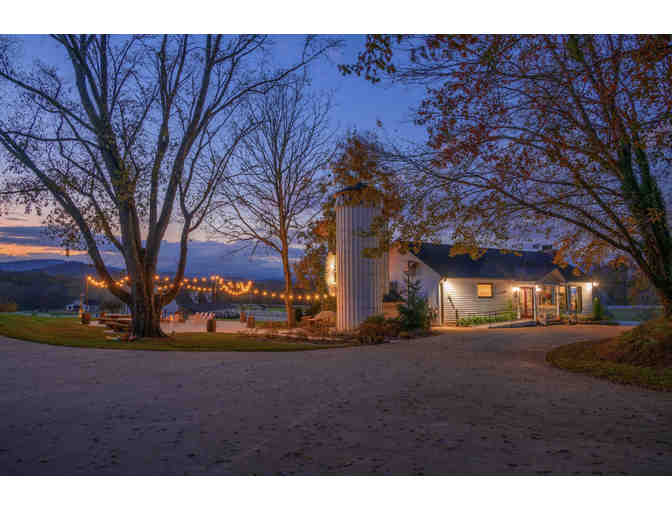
<point x="91" y="306"/>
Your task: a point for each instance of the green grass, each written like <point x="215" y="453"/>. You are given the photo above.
<point x="589" y="358"/>
<point x="69" y="332"/>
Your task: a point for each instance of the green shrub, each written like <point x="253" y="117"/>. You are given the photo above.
<point x="598" y="310"/>
<point x="475" y="320"/>
<point x="413" y="311"/>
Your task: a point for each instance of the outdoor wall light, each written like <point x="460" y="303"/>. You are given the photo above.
<point x="447" y="285"/>
<point x="515" y="289"/>
<point x="537" y="288"/>
<point x="596" y="284"/>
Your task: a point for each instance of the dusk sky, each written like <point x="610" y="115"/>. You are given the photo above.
<point x="357" y="105"/>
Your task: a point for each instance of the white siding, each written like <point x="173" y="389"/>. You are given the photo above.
<point x="428" y="278"/>
<point x="359" y="279"/>
<point x="460" y="298"/>
<point x="586" y="296"/>
<point x="460" y="294"/>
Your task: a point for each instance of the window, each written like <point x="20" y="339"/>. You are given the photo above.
<point x="484" y="290"/>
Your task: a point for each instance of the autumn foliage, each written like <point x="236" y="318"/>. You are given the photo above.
<point x="564" y="139"/>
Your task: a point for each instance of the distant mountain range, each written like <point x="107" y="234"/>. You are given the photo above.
<point x="53" y="283"/>
<point x="74" y="268"/>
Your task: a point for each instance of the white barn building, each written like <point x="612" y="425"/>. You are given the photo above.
<point x="527" y="282"/>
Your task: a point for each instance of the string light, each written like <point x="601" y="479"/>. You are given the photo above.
<point x="213" y="284"/>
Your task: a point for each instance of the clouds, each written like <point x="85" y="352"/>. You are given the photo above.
<point x="205" y="257"/>
<point x="31" y="243"/>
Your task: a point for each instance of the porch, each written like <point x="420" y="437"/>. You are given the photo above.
<point x="471" y="302"/>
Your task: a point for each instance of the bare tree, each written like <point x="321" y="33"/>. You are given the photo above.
<point x="134" y="134"/>
<point x="280" y="180"/>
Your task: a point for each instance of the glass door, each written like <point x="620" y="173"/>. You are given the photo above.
<point x="526" y="303"/>
<point x="547" y="301"/>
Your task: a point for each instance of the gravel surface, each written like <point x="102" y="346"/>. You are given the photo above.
<point x="465" y="402"/>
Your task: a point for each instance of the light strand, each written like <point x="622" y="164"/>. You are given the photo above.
<point x="214" y="283"/>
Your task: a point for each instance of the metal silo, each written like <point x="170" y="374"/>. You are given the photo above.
<point x="360" y="280"/>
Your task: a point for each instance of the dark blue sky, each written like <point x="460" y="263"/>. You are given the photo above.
<point x="358" y="103"/>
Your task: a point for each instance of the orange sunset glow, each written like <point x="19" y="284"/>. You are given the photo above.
<point x="26" y="250"/>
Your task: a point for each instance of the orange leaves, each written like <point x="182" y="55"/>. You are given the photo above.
<point x="655" y="215"/>
<point x="526" y="133"/>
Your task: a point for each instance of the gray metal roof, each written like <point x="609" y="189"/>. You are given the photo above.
<point x="521" y="265"/>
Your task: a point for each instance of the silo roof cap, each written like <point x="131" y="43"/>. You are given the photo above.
<point x="357" y="187"/>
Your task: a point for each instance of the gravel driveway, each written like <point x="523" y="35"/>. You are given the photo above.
<point x="465" y="402"/>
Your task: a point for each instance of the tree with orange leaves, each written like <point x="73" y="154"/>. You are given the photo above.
<point x="561" y="138"/>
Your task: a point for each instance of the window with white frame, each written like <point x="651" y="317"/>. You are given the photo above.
<point x="484" y="290"/>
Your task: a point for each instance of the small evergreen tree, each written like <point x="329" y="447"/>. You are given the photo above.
<point x="413" y="311"/>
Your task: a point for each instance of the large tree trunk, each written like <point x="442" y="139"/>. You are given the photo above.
<point x="145" y="313"/>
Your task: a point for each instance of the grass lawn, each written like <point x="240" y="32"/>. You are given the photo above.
<point x="641" y="356"/>
<point x="69" y="332"/>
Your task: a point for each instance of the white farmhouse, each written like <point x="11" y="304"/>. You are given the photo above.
<point x="527" y="282"/>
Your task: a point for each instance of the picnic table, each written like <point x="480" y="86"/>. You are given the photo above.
<point x="116" y="324"/>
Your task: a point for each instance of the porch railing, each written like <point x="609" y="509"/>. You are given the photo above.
<point x="473" y="318"/>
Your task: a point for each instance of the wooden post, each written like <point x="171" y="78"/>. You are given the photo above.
<point x="211" y="325"/>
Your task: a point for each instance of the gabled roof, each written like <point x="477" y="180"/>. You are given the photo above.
<point x="518" y="265"/>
